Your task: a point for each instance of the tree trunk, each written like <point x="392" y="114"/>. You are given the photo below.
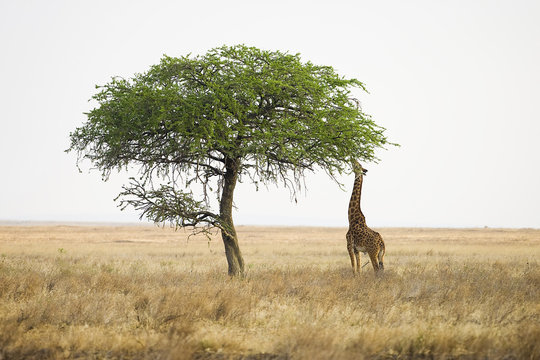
<point x="228" y="233"/>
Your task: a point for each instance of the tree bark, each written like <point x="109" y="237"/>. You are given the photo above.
<point x="228" y="232"/>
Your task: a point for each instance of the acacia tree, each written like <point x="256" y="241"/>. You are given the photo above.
<point x="236" y="113"/>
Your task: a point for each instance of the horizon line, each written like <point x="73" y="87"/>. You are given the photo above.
<point x="82" y="223"/>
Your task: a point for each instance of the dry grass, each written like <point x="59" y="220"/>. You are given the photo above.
<point x="145" y="292"/>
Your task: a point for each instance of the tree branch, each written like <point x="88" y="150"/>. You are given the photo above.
<point x="166" y="205"/>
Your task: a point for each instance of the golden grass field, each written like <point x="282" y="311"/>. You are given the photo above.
<point x="143" y="292"/>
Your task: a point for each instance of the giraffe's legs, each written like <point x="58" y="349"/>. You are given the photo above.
<point x="381" y="258"/>
<point x="351" y="253"/>
<point x="353" y="260"/>
<point x="374" y="262"/>
<point x="357" y="256"/>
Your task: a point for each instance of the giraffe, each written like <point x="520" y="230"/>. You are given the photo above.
<point x="360" y="238"/>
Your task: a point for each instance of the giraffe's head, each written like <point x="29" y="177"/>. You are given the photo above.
<point x="358" y="169"/>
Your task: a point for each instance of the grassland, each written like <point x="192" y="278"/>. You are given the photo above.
<point x="147" y="292"/>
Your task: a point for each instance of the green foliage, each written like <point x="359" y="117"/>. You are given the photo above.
<point x="187" y="119"/>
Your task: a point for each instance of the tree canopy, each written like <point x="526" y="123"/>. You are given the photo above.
<point x="235" y="113"/>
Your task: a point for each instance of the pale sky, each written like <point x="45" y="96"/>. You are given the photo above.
<point x="456" y="83"/>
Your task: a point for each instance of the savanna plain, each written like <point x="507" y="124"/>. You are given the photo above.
<point x="145" y="292"/>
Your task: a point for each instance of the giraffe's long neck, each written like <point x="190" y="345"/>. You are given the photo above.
<point x="355" y="213"/>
